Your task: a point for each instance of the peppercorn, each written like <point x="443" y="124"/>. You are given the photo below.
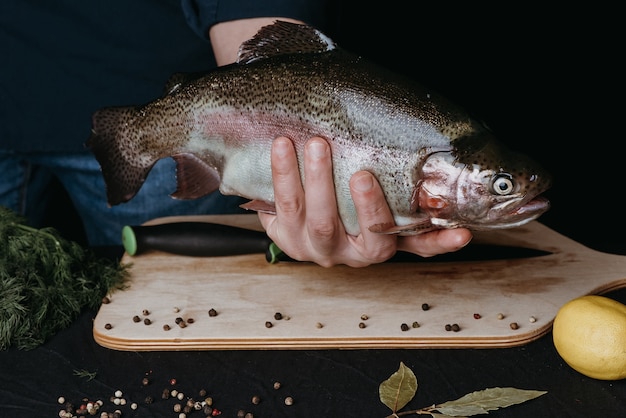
<point x="514" y="325"/>
<point x="165" y="394"/>
<point x="268" y="324"/>
<point x="455" y="327"/>
<point x="147" y="321"/>
<point x="362" y="325"/>
<point x="500" y="316"/>
<point x="477" y="316"/>
<point x="249" y="415"/>
<point x="404" y="327"/>
<point x="148" y="399"/>
<point x="178" y="320"/>
<point x="532" y="319"/>
<point x="416" y="324"/>
<point x="212" y="312"/>
<point x="166" y="327"/>
<point x="108" y="326"/>
<point x="136" y="318"/>
<point x="425" y="306"/>
<point x="202" y="393"/>
<point x="241" y="413"/>
<point x="190" y="320"/>
<point x="276" y="385"/>
<point x="145" y="312"/>
<point x="278" y="316"/>
<point x="448" y="327"/>
<point x="319" y="325"/>
<point x="364" y="317"/>
<point x="182" y="324"/>
<point x="145" y="381"/>
<point x="288" y="400"/>
<point x="256" y="399"/>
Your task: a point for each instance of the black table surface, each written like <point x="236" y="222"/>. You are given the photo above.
<point x="322" y="383"/>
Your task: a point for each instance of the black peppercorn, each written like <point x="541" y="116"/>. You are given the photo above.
<point x="456" y="327"/>
<point x="448" y="327"/>
<point x="425" y="306"/>
<point x="268" y="324"/>
<point x="278" y="316"/>
<point x="404" y="327"/>
<point x="212" y="312"/>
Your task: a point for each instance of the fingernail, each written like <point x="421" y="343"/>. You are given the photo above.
<point x="281" y="146"/>
<point x="316" y="149"/>
<point x="362" y="182"/>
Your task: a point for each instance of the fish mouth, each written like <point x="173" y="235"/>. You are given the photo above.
<point x="535" y="206"/>
<point x="523" y="214"/>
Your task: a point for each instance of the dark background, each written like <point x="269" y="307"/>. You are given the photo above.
<point x="546" y="82"/>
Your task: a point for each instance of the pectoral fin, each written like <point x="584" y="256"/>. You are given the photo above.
<point x="260" y="206"/>
<point x="410" y="229"/>
<point x="194" y="178"/>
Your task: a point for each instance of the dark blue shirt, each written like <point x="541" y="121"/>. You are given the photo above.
<point x="64" y="59"/>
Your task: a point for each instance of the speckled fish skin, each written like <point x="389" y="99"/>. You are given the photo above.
<point x="437" y="166"/>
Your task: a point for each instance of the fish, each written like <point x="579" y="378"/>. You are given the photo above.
<point x="438" y="167"/>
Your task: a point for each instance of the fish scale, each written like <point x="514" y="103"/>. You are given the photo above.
<point x="438" y="167"/>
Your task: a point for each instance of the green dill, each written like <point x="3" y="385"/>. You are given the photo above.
<point x="46" y="281"/>
<point x="86" y="374"/>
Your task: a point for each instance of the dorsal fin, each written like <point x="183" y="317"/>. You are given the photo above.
<point x="282" y="38"/>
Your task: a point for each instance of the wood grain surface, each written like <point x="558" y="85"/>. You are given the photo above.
<point x="323" y="307"/>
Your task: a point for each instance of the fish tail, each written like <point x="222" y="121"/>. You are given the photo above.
<point x="124" y="166"/>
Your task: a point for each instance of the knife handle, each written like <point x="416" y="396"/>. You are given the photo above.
<point x="198" y="239"/>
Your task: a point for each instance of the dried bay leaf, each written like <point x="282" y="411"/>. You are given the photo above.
<point x="480" y="402"/>
<point x="399" y="389"/>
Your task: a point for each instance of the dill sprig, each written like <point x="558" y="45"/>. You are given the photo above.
<point x="46" y="280"/>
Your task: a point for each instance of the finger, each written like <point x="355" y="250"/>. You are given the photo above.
<point x="288" y="190"/>
<point x="372" y="208"/>
<point x="284" y="227"/>
<point x="436" y="242"/>
<point x="322" y="218"/>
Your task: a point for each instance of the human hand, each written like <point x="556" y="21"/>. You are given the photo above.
<point x="309" y="229"/>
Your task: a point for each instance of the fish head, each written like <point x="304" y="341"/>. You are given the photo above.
<point x="480" y="184"/>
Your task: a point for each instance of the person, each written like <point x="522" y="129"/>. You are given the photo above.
<point x="63" y="61"/>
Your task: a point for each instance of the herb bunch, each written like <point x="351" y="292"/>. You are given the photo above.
<point x="45" y="281"/>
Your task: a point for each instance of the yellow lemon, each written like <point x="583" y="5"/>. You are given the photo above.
<point x="589" y="333"/>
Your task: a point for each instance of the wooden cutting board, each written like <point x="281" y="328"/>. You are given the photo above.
<point x="322" y="308"/>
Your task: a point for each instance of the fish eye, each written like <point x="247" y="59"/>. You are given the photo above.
<point x="502" y="184"/>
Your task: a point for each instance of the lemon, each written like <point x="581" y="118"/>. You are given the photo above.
<point x="589" y="333"/>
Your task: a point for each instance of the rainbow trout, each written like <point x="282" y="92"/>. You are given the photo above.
<point x="438" y="167"/>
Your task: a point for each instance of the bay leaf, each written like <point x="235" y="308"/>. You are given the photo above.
<point x="480" y="402"/>
<point x="399" y="389"/>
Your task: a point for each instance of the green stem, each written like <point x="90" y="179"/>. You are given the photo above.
<point x="37" y="231"/>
